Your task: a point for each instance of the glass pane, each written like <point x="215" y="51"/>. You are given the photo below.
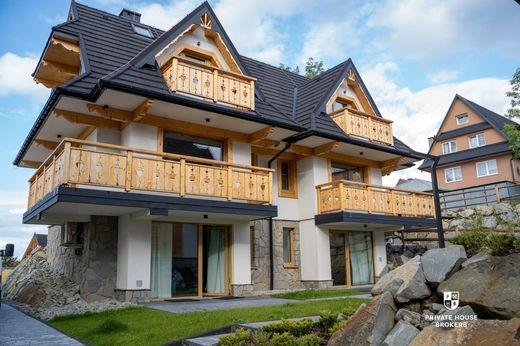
<point x="287" y="246"/>
<point x="492" y="167"/>
<point x="360" y="251"/>
<point x="214" y="254"/>
<point x="285" y="175"/>
<point x="177" y="143"/>
<point x="347" y="172"/>
<point x="481" y="169"/>
<point x="458" y="173"/>
<point x="449" y="175"/>
<point x="338" y="259"/>
<point x="185" y="263"/>
<point x="161" y="271"/>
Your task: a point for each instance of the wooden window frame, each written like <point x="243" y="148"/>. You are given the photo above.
<point x="292" y="192"/>
<point x="292" y="264"/>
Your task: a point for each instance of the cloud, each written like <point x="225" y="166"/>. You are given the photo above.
<point x="448" y="28"/>
<point x="16" y="79"/>
<point x="417" y="115"/>
<point x="442" y="76"/>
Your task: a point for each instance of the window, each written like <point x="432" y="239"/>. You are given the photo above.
<point x="252" y="243"/>
<point x="143" y="31"/>
<point x="199" y="55"/>
<point x="449" y="147"/>
<point x="287" y="179"/>
<point x="288" y="248"/>
<point x="477" y="141"/>
<point x="486" y="168"/>
<point x="341" y="102"/>
<point x="177" y="143"/>
<point x="453" y="174"/>
<point x="346" y="172"/>
<point x="462" y="119"/>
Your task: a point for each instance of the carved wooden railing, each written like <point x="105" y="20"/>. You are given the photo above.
<point x="210" y="83"/>
<point x="78" y="162"/>
<point x="353" y="196"/>
<point x="364" y="125"/>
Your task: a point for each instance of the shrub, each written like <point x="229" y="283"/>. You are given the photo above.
<point x="328" y="319"/>
<point x="287" y="339"/>
<point x="110" y="326"/>
<point x="240" y="338"/>
<point x="500" y="244"/>
<point x="516" y="244"/>
<point x="310" y="340"/>
<point x="471" y="240"/>
<point x="293" y="327"/>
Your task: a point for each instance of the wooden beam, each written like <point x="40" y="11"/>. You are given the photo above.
<point x="301" y="150"/>
<point x="271" y="152"/>
<point x="85" y="119"/>
<point x="325" y="148"/>
<point x="267" y="143"/>
<point x="348" y="159"/>
<point x="111" y="113"/>
<point x="260" y="134"/>
<point x="391" y="165"/>
<point x="87" y="131"/>
<point x="63" y="68"/>
<point x="30" y="164"/>
<point x="50" y="145"/>
<point x="142" y="110"/>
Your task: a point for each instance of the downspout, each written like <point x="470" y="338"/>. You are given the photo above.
<point x="437" y="202"/>
<point x="271" y="237"/>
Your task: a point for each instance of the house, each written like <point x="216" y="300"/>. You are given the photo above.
<point x="475" y="162"/>
<point x="170" y="166"/>
<point x="416" y="184"/>
<point x="36" y="240"/>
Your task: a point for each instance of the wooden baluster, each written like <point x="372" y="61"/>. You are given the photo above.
<point x="341" y="197"/>
<point x="230" y="183"/>
<point x="318" y="195"/>
<point x="270" y="188"/>
<point x="66" y="163"/>
<point x="345" y="117"/>
<point x="392" y="202"/>
<point x="369" y="198"/>
<point x="53" y="171"/>
<point x="414" y="204"/>
<point x="174" y="74"/>
<point x="183" y="178"/>
<point x="215" y="85"/>
<point x="252" y="95"/>
<point x="128" y="175"/>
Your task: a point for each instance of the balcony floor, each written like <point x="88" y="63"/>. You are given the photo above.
<point x="65" y="204"/>
<point x="356" y="220"/>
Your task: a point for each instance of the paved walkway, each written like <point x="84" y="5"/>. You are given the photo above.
<point x="211" y="304"/>
<point x="17" y="329"/>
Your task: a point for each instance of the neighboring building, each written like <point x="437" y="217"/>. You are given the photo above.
<point x="36" y="240"/>
<point x="473" y="147"/>
<point x="171" y="166"/>
<point x="416" y="184"/>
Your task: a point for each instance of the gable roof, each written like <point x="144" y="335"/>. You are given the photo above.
<point x="118" y="58"/>
<point x="491" y="120"/>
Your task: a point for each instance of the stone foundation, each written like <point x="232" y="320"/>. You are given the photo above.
<point x="317" y="285"/>
<point x="241" y="290"/>
<point x="92" y="266"/>
<point x="134" y="296"/>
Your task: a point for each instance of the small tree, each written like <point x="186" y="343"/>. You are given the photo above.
<point x="312" y="68"/>
<point x="9" y="262"/>
<point x="511" y="130"/>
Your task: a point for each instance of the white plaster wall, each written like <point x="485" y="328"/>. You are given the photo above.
<point x="139" y="136"/>
<point x="241" y="257"/>
<point x="379" y="251"/>
<point x="315" y="251"/>
<point x="375" y="176"/>
<point x="195" y="39"/>
<point x="345" y="90"/>
<point x="241" y="153"/>
<point x="312" y="171"/>
<point x="134" y="247"/>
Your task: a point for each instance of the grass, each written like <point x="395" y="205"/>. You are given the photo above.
<point x="313" y="294"/>
<point x="145" y="326"/>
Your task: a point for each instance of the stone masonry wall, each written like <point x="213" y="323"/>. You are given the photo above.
<point x="284" y="278"/>
<point x="93" y="267"/>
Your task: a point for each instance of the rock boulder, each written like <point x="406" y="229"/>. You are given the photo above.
<point x="402" y="334"/>
<point x="480" y="332"/>
<point x="438" y="264"/>
<point x="369" y="325"/>
<point x="490" y="286"/>
<point x="405" y="283"/>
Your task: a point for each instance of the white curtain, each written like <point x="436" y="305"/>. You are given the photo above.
<point x="216" y="276"/>
<point x="162" y="234"/>
<point x="360" y="250"/>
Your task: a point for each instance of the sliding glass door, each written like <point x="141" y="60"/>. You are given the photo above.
<point x="189" y="260"/>
<point x="351" y="258"/>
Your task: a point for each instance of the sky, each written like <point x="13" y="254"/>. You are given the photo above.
<point x="413" y="55"/>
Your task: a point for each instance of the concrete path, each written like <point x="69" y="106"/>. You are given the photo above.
<point x="211" y="304"/>
<point x="17" y="329"/>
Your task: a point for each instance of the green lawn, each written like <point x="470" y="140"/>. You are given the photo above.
<point x="145" y="326"/>
<point x="312" y="294"/>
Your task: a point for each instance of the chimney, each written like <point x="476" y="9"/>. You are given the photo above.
<point x="430" y="141"/>
<point x="132" y="15"/>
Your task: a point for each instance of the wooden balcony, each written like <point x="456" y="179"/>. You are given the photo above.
<point x="343" y="195"/>
<point x="364" y="125"/>
<point x="75" y="162"/>
<point x="210" y="83"/>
